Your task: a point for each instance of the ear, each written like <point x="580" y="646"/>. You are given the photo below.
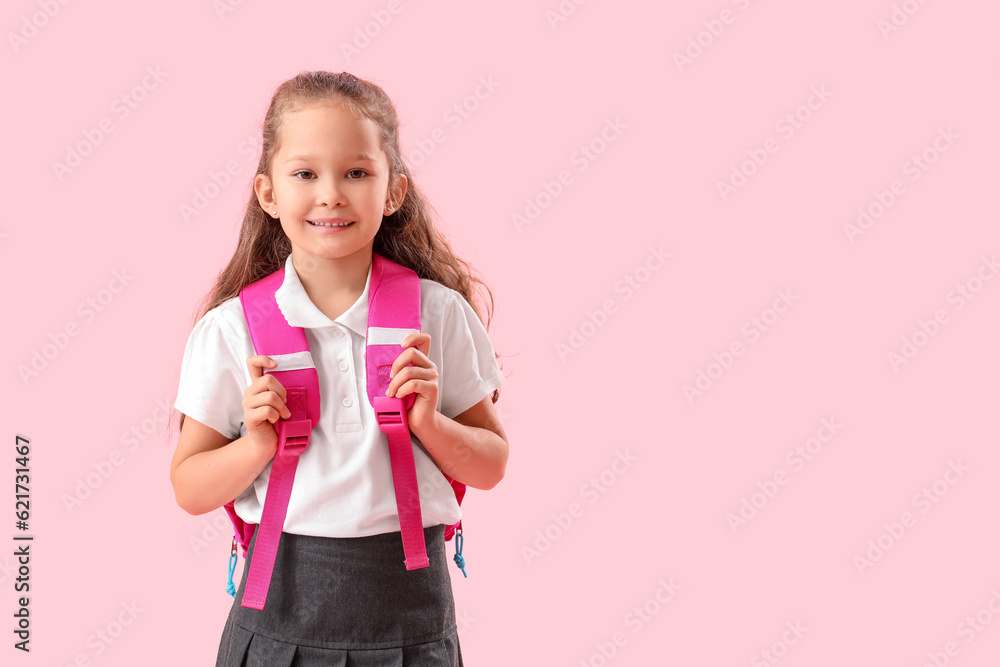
<point x="265" y="192"/>
<point x="399" y="191"/>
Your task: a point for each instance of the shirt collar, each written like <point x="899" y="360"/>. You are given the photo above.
<point x="300" y="311"/>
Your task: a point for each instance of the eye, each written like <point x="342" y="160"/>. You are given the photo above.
<point x="357" y="170"/>
<point x="302" y="171"/>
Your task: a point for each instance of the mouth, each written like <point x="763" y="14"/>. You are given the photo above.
<point x="330" y="223"/>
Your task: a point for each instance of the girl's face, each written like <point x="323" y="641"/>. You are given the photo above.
<point x="329" y="168"/>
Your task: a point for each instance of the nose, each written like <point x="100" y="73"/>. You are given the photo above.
<point x="328" y="193"/>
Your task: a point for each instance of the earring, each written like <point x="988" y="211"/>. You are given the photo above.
<point x="274" y="213"/>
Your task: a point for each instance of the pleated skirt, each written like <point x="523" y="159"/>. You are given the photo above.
<point x="345" y="602"/>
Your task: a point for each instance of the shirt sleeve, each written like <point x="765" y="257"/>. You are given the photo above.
<point x="471" y="372"/>
<point x="212" y="383"/>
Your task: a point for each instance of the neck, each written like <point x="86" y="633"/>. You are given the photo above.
<point x="326" y="279"/>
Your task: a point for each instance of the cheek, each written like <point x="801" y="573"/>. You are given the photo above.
<point x="294" y="194"/>
<point x="374" y="203"/>
<point x="378" y="192"/>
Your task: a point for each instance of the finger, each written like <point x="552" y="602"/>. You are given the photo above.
<point x="264" y="413"/>
<point x="279" y="402"/>
<point x="271" y="383"/>
<point x="410" y="355"/>
<point x="269" y="400"/>
<point x="414" y="386"/>
<point x="262" y="384"/>
<point x="257" y="363"/>
<point x="425" y="344"/>
<point x="409" y="374"/>
<point x="420" y="340"/>
<point x="401" y="363"/>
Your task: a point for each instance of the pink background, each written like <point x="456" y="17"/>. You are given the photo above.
<point x="643" y="565"/>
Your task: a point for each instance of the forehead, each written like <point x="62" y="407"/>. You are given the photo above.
<point x="328" y="129"/>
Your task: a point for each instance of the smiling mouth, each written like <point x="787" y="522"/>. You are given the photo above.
<point x="330" y="224"/>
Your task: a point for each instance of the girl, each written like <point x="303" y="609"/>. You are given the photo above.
<point x="331" y="188"/>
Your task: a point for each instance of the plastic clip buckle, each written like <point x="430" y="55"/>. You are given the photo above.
<point x="390" y="413"/>
<point x="293" y="437"/>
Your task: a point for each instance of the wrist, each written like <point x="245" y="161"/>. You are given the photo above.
<point x="261" y="449"/>
<point x="425" y="429"/>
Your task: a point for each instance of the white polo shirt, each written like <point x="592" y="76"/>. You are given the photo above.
<point x="343" y="482"/>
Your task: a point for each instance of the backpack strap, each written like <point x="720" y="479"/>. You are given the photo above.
<point x="393" y="314"/>
<point x="272" y="335"/>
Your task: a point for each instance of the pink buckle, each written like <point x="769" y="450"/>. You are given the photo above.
<point x="293" y="437"/>
<point x="390" y="413"/>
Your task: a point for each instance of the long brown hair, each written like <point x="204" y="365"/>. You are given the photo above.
<point x="407" y="236"/>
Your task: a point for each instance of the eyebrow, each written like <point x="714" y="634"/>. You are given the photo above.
<point x="358" y="156"/>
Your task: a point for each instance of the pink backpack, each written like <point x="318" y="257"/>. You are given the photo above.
<point x="393" y="314"/>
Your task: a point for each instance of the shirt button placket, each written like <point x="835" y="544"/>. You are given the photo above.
<point x="343" y="365"/>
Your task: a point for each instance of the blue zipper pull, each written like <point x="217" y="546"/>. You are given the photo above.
<point x="230" y="587"/>
<point x="459" y="561"/>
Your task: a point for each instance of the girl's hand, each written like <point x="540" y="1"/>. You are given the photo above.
<point x="264" y="404"/>
<point x="420" y="378"/>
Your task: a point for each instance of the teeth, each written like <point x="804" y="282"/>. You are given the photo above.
<point x="330" y="224"/>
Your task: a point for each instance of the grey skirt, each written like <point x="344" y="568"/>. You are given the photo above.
<point x="347" y="601"/>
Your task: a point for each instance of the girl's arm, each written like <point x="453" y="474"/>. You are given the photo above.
<point x="471" y="448"/>
<point x="209" y="470"/>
